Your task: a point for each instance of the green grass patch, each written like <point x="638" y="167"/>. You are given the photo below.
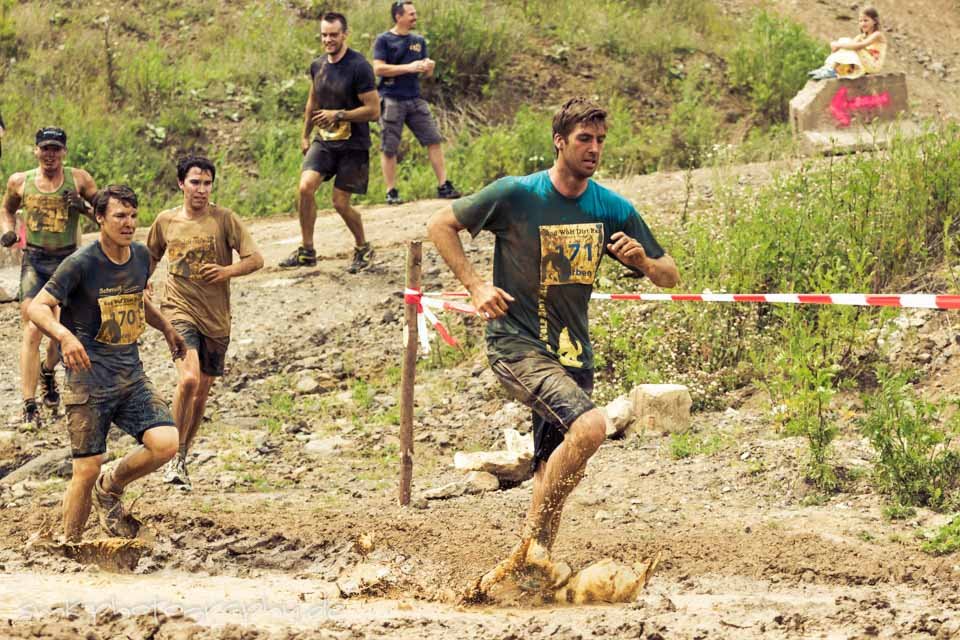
<point x="945" y="541"/>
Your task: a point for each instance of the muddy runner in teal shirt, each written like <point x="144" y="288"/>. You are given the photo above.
<point x="547" y="252"/>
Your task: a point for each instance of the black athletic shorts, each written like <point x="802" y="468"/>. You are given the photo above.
<point x="558" y="396"/>
<point x="350" y="166"/>
<point x="37" y="267"/>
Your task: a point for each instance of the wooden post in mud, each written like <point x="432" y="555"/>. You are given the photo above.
<point x="409" y="373"/>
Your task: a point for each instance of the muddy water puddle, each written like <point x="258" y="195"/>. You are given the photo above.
<point x="731" y="606"/>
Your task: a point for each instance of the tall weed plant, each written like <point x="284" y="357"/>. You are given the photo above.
<point x="771" y="63"/>
<point x="916" y="463"/>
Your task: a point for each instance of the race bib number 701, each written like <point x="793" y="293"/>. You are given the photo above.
<point x="122" y="319"/>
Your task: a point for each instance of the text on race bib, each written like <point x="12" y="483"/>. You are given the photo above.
<point x="570" y="253"/>
<point x="122" y="319"/>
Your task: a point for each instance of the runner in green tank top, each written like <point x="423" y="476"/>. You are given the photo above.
<point x="50" y="199"/>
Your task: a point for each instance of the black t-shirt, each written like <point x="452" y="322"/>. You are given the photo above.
<point x="102" y="305"/>
<point x="338" y="86"/>
<point x="394" y="49"/>
<point x="546" y="255"/>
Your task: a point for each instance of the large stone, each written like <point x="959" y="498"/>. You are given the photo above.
<point x="660" y="408"/>
<point x="325" y="446"/>
<point x="51" y="463"/>
<point x="619" y="415"/>
<point x="838" y="116"/>
<point x="506" y="466"/>
<point x="7" y="296"/>
<point x="481" y="482"/>
<point x="518" y="443"/>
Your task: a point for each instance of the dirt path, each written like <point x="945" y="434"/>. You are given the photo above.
<point x="285" y="482"/>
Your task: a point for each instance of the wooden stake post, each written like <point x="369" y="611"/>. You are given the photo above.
<point x="408" y="374"/>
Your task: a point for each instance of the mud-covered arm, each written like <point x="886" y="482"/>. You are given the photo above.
<point x="178" y="348"/>
<point x="444" y="231"/>
<point x="11" y="202"/>
<point x="41" y="313"/>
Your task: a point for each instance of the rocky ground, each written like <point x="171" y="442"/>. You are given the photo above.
<point x="293" y="528"/>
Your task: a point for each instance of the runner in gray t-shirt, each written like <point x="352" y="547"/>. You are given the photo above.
<point x="101" y="290"/>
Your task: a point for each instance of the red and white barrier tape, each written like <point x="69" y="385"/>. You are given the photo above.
<point x="426" y="301"/>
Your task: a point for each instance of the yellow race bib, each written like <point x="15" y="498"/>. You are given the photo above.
<point x="122" y="319"/>
<point x="46" y="213"/>
<point x="339" y="131"/>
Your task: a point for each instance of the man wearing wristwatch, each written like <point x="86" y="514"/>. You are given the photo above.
<point x="342" y="102"/>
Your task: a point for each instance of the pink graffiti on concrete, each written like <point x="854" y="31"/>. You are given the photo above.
<point x="841" y="106"/>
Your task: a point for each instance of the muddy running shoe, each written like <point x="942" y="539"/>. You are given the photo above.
<point x="300" y="258"/>
<point x="51" y="394"/>
<point x="447" y="191"/>
<point x="113" y="518"/>
<point x="393" y="197"/>
<point x="362" y="257"/>
<point x="31" y="415"/>
<point x="175" y="473"/>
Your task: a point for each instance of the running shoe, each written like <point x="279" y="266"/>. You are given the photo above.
<point x="51" y="394"/>
<point x="393" y="197"/>
<point x="300" y="258"/>
<point x="175" y="473"/>
<point x="447" y="191"/>
<point x="31" y="415"/>
<point x="111" y="514"/>
<point x="362" y="257"/>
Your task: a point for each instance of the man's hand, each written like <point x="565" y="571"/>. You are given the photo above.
<point x="9" y="239"/>
<point x="214" y="273"/>
<point x="627" y="250"/>
<point x="490" y="301"/>
<point x="74" y="355"/>
<point x="428" y="65"/>
<point x="75" y="202"/>
<point x="178" y="347"/>
<point x="325" y="118"/>
<point x="304" y="144"/>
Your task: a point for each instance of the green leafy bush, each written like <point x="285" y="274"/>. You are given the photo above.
<point x="912" y="439"/>
<point x="771" y="63"/>
<point x="946" y="540"/>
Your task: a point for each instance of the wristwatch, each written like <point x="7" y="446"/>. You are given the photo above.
<point x="338" y="116"/>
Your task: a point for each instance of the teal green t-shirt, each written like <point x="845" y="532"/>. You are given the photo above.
<point x="547" y="252"/>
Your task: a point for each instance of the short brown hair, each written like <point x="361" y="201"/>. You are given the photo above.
<point x="119" y="192"/>
<point x="577" y="111"/>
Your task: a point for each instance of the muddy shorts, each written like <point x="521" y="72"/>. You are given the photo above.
<point x="212" y="352"/>
<point x="37" y="267"/>
<point x="557" y="395"/>
<point x="415" y="113"/>
<point x="135" y="407"/>
<point x="351" y="166"/>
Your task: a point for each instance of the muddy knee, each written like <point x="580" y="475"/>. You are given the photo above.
<point x="588" y="432"/>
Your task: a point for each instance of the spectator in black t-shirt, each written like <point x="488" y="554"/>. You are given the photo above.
<point x="399" y="57"/>
<point x="342" y="102"/>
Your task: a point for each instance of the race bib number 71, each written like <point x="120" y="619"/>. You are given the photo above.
<point x="122" y="319"/>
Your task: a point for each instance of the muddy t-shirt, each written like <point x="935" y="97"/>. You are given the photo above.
<point x="396" y="49"/>
<point x="338" y="86"/>
<point x="547" y="252"/>
<point x="189" y="244"/>
<point x="102" y="305"/>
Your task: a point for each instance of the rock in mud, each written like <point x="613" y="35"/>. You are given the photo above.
<point x="619" y="416"/>
<point x="449" y="490"/>
<point x="51" y="463"/>
<point x="481" y="482"/>
<point x="324" y="446"/>
<point x="607" y="581"/>
<point x="362" y="578"/>
<point x="660" y="408"/>
<point x="513" y="465"/>
<point x="7" y="296"/>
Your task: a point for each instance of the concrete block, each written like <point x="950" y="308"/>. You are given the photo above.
<point x="660" y="408"/>
<point x="842" y="115"/>
<point x="619" y="415"/>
